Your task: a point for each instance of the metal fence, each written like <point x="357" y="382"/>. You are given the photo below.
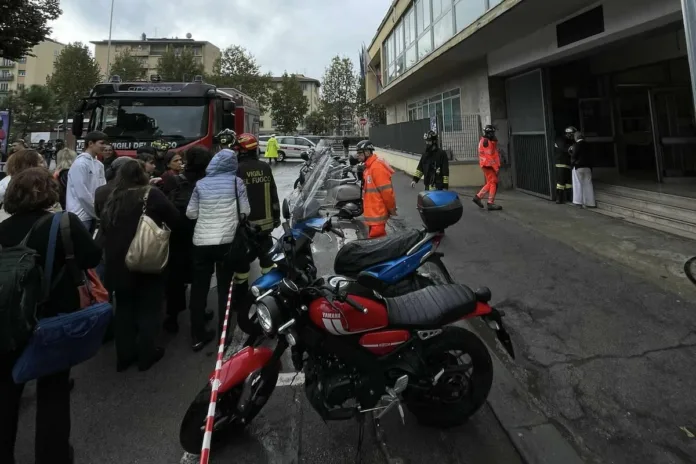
<point x="459" y="136"/>
<point x="402" y="136"/>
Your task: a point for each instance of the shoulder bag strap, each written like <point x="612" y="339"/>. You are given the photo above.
<point x="66" y="238"/>
<point x="145" y="197"/>
<point x="236" y="197"/>
<point x="51" y="253"/>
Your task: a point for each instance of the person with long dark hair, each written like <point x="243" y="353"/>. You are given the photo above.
<point x="138" y="296"/>
<point x="178" y="189"/>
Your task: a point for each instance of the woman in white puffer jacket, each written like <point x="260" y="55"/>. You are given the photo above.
<point x="213" y="205"/>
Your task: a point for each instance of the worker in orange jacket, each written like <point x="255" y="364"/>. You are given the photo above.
<point x="378" y="194"/>
<point x="489" y="160"/>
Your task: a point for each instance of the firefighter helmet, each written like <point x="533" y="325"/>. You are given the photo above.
<point x="365" y="145"/>
<point x="247" y="143"/>
<point x="430" y="136"/>
<point x="570" y="132"/>
<point x="227" y="137"/>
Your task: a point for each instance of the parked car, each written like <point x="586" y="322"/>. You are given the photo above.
<point x="288" y="147"/>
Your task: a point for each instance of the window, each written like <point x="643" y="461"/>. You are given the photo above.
<point x="442" y="31"/>
<point x="410" y="27"/>
<point x="21" y="73"/>
<point x="493" y="3"/>
<point x="286" y="141"/>
<point x="425" y="45"/>
<point x="261" y="125"/>
<point x="197" y="51"/>
<point x="422" y="15"/>
<point x="55" y="52"/>
<point x="446" y="106"/>
<point x="22" y="60"/>
<point x="20" y="86"/>
<point x="468" y="11"/>
<point x="4" y="87"/>
<point x="158" y="50"/>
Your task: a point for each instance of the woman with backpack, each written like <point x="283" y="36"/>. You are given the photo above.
<point x="18" y="162"/>
<point x="178" y="189"/>
<point x="64" y="159"/>
<point x="29" y="196"/>
<point x="138" y="296"/>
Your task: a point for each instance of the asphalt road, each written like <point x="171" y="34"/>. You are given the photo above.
<point x="134" y="417"/>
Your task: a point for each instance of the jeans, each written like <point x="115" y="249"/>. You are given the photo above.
<point x="52" y="443"/>
<point x="137" y="321"/>
<point x="206" y="260"/>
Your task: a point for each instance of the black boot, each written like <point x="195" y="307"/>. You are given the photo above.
<point x="478" y="202"/>
<point x="560" y="196"/>
<point x="494" y="207"/>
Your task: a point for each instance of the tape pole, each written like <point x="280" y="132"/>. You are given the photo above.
<point x="210" y="420"/>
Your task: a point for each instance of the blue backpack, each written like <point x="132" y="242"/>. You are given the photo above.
<point x="63" y="341"/>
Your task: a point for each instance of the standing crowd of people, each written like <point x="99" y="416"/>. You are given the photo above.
<point x="203" y="200"/>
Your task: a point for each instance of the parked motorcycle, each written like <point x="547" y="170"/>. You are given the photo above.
<point x="360" y="352"/>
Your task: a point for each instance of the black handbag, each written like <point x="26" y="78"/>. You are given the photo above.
<point x="240" y="248"/>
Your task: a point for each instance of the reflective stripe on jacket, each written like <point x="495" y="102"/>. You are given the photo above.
<point x="489" y="156"/>
<point x="378" y="196"/>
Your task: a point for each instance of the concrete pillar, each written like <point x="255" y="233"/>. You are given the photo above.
<point x="689" y="14"/>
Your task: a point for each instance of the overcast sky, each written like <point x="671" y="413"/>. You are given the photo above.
<point x="298" y="36"/>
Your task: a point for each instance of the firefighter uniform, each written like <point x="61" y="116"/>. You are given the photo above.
<point x="265" y="207"/>
<point x="433" y="168"/>
<point x="563" y="171"/>
<point x="489" y="160"/>
<point x="378" y="195"/>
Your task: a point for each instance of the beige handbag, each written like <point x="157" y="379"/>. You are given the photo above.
<point x="149" y="251"/>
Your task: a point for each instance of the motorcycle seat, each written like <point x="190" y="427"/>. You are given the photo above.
<point x="431" y="307"/>
<point x="358" y="255"/>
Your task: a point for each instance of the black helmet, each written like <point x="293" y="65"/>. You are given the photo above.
<point x="227" y="137"/>
<point x="570" y="132"/>
<point x="430" y="136"/>
<point x="365" y="145"/>
<point x="489" y="128"/>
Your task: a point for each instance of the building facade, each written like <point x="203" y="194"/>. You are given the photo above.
<point x="149" y="51"/>
<point x="310" y="89"/>
<point x="617" y="70"/>
<point x="29" y="70"/>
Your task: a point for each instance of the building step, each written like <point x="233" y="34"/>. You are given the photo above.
<point x="653" y="206"/>
<point x="647" y="195"/>
<point x="655" y="221"/>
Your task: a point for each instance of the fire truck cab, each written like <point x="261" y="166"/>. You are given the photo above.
<point x="135" y="114"/>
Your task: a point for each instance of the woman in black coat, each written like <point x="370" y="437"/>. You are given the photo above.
<point x="29" y="195"/>
<point x="138" y="296"/>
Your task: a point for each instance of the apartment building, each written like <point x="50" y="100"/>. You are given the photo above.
<point x="149" y="51"/>
<point x="310" y="88"/>
<point x="29" y="70"/>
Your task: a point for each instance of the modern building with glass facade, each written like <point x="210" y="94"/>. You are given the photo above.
<point x="616" y="69"/>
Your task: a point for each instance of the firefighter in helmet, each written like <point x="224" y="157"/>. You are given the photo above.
<point x="561" y="150"/>
<point x="378" y="194"/>
<point x="433" y="166"/>
<point x="489" y="160"/>
<point x="264" y="217"/>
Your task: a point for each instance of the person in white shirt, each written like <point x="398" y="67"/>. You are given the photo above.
<point x="85" y="176"/>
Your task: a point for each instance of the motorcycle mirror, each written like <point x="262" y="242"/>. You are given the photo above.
<point x="286" y="210"/>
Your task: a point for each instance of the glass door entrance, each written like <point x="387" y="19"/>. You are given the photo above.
<point x="636" y="138"/>
<point x="675" y="121"/>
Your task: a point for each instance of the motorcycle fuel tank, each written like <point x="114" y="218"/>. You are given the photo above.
<point x="348" y="320"/>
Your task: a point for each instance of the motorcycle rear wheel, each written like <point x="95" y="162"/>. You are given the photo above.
<point x="227" y="417"/>
<point x="449" y="404"/>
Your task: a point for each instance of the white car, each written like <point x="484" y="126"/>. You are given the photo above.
<point x="288" y="147"/>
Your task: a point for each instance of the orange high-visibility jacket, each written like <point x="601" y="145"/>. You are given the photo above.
<point x="489" y="157"/>
<point x="378" y="195"/>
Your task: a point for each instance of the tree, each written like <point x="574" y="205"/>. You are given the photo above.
<point x="23" y="24"/>
<point x="75" y="72"/>
<point x="237" y="68"/>
<point x="179" y="65"/>
<point x="127" y="66"/>
<point x="338" y="91"/>
<point x="375" y="114"/>
<point x="33" y="109"/>
<point x="315" y="122"/>
<point x="289" y="104"/>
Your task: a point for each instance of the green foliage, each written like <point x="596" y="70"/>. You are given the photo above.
<point x="75" y="72"/>
<point x="238" y="69"/>
<point x="179" y="65"/>
<point x="127" y="66"/>
<point x="23" y="24"/>
<point x="339" y="88"/>
<point x="32" y="109"/>
<point x="288" y="104"/>
<point x="375" y="114"/>
<point x="316" y="123"/>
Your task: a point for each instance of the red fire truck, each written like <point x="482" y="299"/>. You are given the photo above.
<point x="135" y="114"/>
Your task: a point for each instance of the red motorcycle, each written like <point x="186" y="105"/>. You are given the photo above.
<point x="360" y="353"/>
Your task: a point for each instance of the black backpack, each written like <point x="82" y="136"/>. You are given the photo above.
<point x="21" y="292"/>
<point x="181" y="195"/>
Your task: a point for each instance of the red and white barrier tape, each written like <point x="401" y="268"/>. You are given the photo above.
<point x="210" y="420"/>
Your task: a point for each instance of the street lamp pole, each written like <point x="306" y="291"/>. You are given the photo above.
<point x="689" y="15"/>
<point x="108" y="50"/>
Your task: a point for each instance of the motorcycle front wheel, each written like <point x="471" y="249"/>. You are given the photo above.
<point x="463" y="384"/>
<point x="227" y="417"/>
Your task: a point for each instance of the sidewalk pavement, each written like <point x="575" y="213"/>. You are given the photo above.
<point x="603" y="323"/>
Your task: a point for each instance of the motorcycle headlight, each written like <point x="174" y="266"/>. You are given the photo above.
<point x="269" y="314"/>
